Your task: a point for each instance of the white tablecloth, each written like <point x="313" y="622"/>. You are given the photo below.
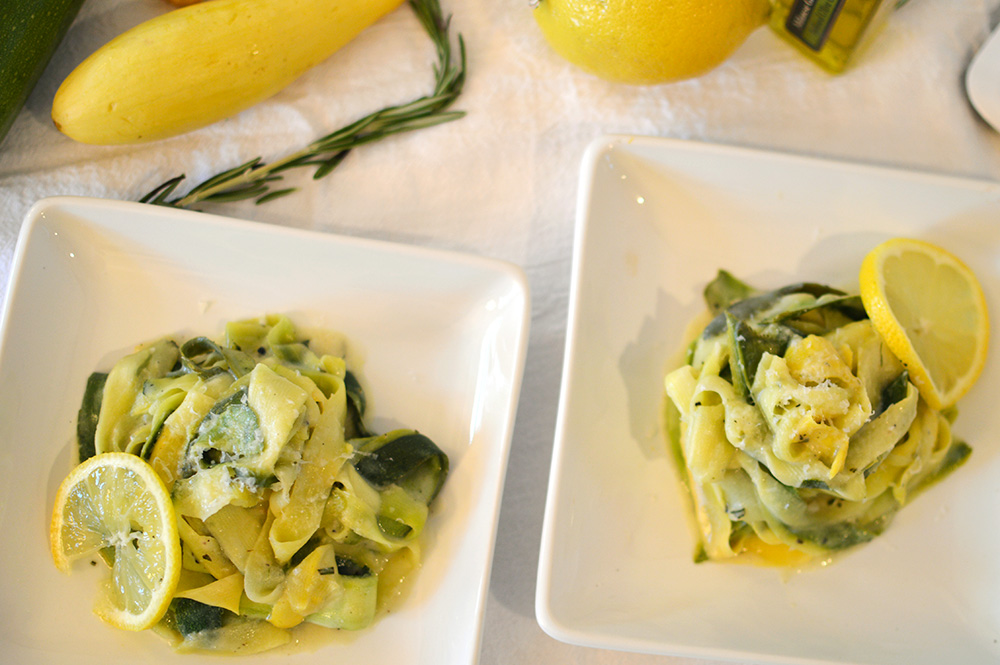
<point x="502" y="181"/>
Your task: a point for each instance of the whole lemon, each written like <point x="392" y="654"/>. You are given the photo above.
<point x="648" y="41"/>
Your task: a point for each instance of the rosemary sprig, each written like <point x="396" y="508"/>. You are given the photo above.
<point x="253" y="180"/>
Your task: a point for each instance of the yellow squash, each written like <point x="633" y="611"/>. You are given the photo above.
<point x="199" y="64"/>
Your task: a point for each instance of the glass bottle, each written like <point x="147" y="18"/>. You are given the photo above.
<point x="828" y="31"/>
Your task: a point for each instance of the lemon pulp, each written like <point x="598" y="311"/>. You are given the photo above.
<point x="116" y="505"/>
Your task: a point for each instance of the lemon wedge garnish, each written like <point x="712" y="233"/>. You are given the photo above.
<point x="116" y="505"/>
<point x="929" y="308"/>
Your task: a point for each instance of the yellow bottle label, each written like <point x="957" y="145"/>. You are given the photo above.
<point x="812" y="20"/>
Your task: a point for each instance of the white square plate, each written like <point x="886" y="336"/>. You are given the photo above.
<point x="656" y="219"/>
<point x="442" y="340"/>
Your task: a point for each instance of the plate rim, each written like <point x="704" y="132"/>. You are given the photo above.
<point x="552" y="624"/>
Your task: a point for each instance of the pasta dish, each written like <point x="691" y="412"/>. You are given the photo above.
<point x="798" y="432"/>
<point x="289" y="510"/>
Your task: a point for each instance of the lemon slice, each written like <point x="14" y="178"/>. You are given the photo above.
<point x="116" y="503"/>
<point x="930" y="310"/>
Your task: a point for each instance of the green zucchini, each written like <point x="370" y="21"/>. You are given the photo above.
<point x="30" y="31"/>
<point x="357" y="404"/>
<point x="206" y="358"/>
<point x="753" y="307"/>
<point x="748" y="343"/>
<point x="354" y="608"/>
<point x="725" y="290"/>
<point x="88" y="415"/>
<point x="120" y="425"/>
<point x="843" y="535"/>
<point x="193" y="617"/>
<point x="405" y="458"/>
<point x="230" y="431"/>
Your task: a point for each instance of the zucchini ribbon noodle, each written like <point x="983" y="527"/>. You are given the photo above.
<point x="797" y="431"/>
<point x="289" y="509"/>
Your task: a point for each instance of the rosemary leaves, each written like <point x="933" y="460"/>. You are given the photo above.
<point x="256" y="179"/>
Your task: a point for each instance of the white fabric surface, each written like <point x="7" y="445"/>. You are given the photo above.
<point x="502" y="181"/>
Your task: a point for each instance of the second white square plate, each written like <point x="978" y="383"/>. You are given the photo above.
<point x="656" y="219"/>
